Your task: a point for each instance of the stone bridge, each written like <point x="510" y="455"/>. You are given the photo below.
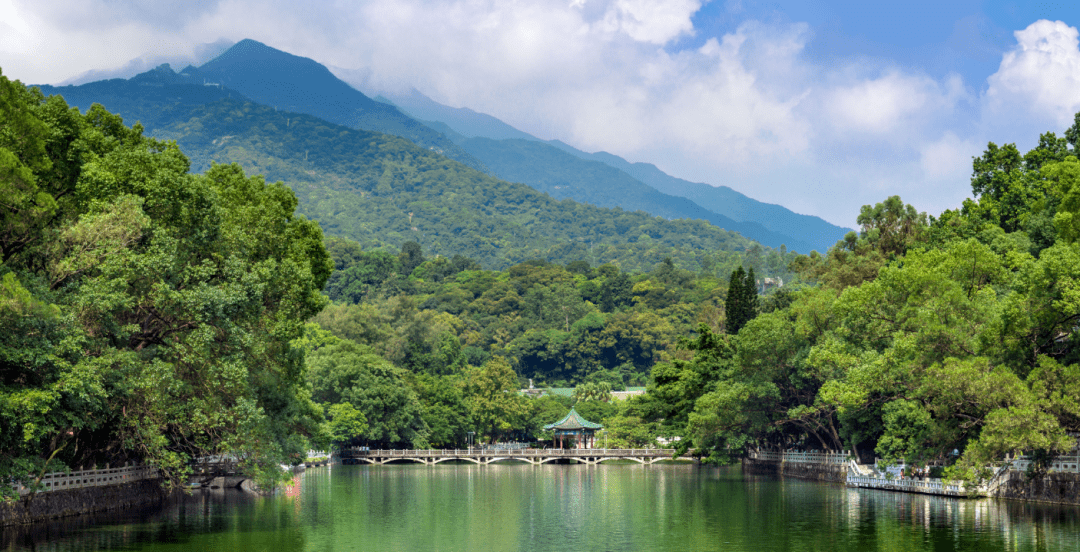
<point x="488" y="456"/>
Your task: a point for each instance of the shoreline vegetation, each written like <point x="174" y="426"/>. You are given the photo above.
<point x="155" y="315"/>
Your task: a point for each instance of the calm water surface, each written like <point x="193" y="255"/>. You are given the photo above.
<point x="562" y="508"/>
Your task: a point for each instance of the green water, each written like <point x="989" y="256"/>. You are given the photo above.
<point x="562" y="508"/>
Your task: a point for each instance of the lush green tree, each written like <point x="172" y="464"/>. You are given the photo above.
<point x="742" y="300"/>
<point x="445" y="411"/>
<point x="345" y="424"/>
<point x="411" y="256"/>
<point x="492" y="399"/>
<point x="148" y="313"/>
<point x="347" y="372"/>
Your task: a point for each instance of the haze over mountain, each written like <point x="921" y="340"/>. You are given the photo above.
<point x="770" y="224"/>
<point x="284" y="81"/>
<point x="293" y="83"/>
<point x="382" y="190"/>
<point x="200" y="54"/>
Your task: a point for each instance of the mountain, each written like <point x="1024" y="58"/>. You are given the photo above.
<point x="146" y="96"/>
<point x="382" y="190"/>
<point x="563" y="175"/>
<point x="463" y="120"/>
<point x="780" y="225"/>
<point x="301" y="85"/>
<point x="724" y="200"/>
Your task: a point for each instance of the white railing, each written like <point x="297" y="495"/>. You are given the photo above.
<point x="800" y="457"/>
<point x="928" y="486"/>
<point x="440" y="453"/>
<point x="1066" y="463"/>
<point x="858" y="469"/>
<point x="61" y="481"/>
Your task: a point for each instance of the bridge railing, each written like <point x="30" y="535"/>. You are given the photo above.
<point x="428" y="453"/>
<point x="800" y="457"/>
<point x="62" y="481"/>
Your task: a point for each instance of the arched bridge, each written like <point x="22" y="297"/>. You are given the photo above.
<point x="488" y="456"/>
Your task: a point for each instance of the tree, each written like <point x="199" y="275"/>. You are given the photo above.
<point x="153" y="310"/>
<point x="343" y="371"/>
<point x="891" y="226"/>
<point x="741" y="304"/>
<point x="492" y="399"/>
<point x="411" y="256"/>
<point x="346" y="425"/>
<point x="616" y="291"/>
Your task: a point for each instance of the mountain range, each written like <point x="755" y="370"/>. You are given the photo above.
<point x="767" y="223"/>
<point x="252" y="71"/>
<point x="382" y="190"/>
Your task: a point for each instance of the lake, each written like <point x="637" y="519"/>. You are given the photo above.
<point x="518" y="507"/>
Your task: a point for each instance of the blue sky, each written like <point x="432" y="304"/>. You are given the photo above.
<point x="821" y="106"/>
<point x="964" y="36"/>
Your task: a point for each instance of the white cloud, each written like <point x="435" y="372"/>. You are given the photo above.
<point x="1041" y="75"/>
<point x="653" y="21"/>
<point x="948" y="158"/>
<point x="744" y="109"/>
<point x="882" y="105"/>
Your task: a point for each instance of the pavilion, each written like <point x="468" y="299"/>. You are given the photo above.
<point x="574" y="429"/>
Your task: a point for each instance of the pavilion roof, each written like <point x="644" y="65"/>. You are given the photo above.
<point x="573" y="420"/>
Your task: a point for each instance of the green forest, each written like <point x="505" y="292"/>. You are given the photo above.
<point x="146" y="313"/>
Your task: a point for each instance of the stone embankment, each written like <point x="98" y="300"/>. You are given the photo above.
<point x="82" y="492"/>
<point x="1011" y="480"/>
<point x="819" y="466"/>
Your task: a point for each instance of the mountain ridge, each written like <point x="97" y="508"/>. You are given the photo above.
<point x="383" y="190"/>
<point x="721" y="200"/>
<point x="298" y="84"/>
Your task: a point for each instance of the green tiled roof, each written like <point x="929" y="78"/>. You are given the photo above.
<point x="561" y="391"/>
<point x="573" y="420"/>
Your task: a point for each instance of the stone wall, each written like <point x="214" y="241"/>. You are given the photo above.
<point x="835" y="473"/>
<point x="73" y="502"/>
<point x="1061" y="488"/>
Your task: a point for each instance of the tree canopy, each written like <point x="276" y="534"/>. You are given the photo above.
<point x="146" y="313"/>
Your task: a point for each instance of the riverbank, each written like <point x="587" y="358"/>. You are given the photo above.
<point x="1054" y="488"/>
<point x="73" y="502"/>
<point x="833" y="473"/>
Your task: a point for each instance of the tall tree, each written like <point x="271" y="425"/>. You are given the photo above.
<point x="742" y="301"/>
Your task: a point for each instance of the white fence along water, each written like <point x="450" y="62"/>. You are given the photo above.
<point x="1066" y="463"/>
<point x="812" y="457"/>
<point x="62" y="481"/>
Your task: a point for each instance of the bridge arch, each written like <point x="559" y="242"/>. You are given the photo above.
<point x="397" y="460"/>
<point x="634" y="458"/>
<point x="494" y="459"/>
<point x="465" y="458"/>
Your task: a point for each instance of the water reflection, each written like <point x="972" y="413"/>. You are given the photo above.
<point x="565" y="508"/>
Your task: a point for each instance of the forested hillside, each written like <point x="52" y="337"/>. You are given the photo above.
<point x="381" y="190"/>
<point x="419" y="330"/>
<point x="562" y="175"/>
<point x="539" y="166"/>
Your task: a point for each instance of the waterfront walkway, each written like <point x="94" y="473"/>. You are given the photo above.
<point x="488" y="456"/>
<point x="869" y="477"/>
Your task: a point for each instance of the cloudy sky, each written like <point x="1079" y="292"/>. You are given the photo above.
<point x="821" y="106"/>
